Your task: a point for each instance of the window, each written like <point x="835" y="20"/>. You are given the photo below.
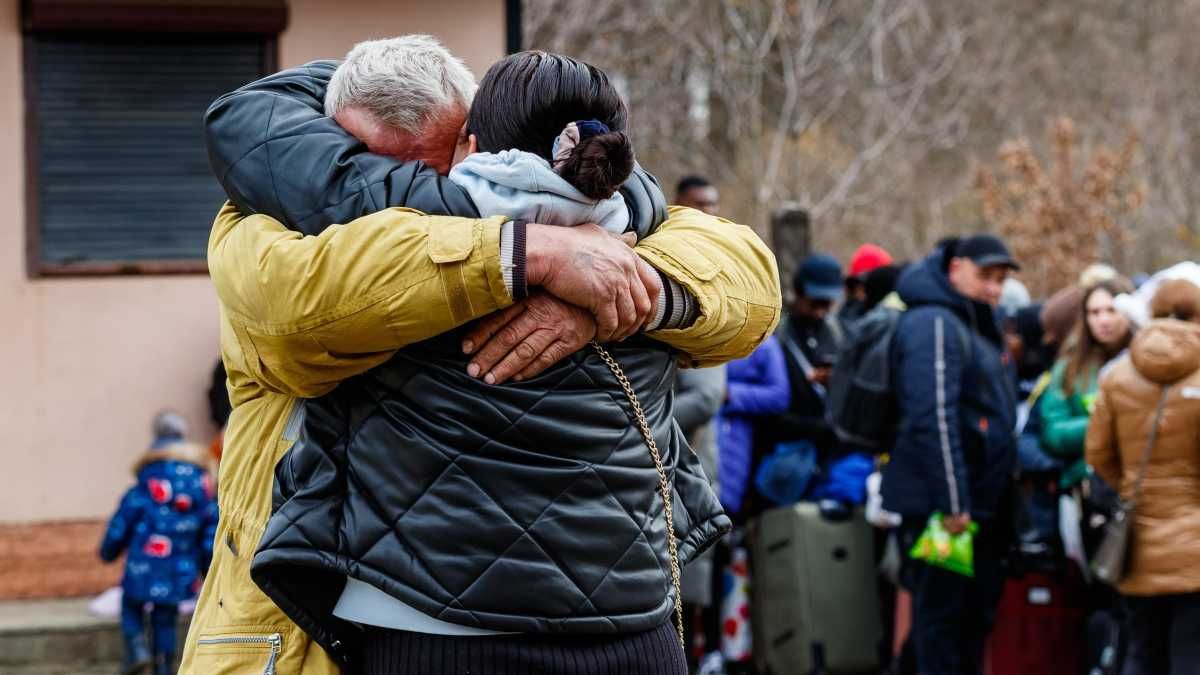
<point x="117" y="175"/>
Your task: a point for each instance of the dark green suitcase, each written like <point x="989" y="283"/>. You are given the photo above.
<point x="814" y="589"/>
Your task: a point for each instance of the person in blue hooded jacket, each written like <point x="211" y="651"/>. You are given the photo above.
<point x="955" y="448"/>
<point x="167" y="522"/>
<point x="757" y="386"/>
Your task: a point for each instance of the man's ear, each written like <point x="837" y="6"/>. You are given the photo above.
<point x="472" y="144"/>
<point x="953" y="267"/>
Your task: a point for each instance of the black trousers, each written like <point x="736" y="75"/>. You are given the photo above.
<point x="953" y="614"/>
<point x="652" y="652"/>
<point x="1164" y="635"/>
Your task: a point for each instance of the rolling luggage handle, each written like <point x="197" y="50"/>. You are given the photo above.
<point x="663" y="486"/>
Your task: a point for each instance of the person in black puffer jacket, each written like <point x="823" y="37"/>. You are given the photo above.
<point x="530" y="508"/>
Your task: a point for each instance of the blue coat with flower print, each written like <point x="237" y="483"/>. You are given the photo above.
<point x="167" y="522"/>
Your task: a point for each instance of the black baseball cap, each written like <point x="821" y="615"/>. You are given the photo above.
<point x="985" y="250"/>
<point x="819" y="278"/>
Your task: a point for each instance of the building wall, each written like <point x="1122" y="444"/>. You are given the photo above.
<point x="85" y="362"/>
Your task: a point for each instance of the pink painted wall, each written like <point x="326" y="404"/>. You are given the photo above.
<point x="472" y="29"/>
<point x="84" y="363"/>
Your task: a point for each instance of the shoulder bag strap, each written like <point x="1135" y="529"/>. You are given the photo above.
<point x="663" y="484"/>
<point x="806" y="366"/>
<point x="1158" y="414"/>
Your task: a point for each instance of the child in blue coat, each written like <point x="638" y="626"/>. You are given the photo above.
<point x="167" y="522"/>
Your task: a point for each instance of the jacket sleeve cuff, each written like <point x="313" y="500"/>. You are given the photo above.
<point x="677" y="308"/>
<point x="512" y="258"/>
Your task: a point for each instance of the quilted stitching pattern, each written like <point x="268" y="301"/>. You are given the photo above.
<point x="551" y="510"/>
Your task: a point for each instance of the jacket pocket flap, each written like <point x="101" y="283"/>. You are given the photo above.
<point x="691" y="262"/>
<point x="453" y="242"/>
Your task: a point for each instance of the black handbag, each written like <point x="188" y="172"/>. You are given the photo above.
<point x="1112" y="558"/>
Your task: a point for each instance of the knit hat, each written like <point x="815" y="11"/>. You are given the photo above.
<point x="1097" y="273"/>
<point x="1060" y="313"/>
<point x="868" y="257"/>
<point x="170" y="425"/>
<point x="1014" y="296"/>
<point x="1176" y="299"/>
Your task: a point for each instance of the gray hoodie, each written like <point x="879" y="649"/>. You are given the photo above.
<point x="522" y="185"/>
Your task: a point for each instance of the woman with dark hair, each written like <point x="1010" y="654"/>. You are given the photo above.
<point x="1101" y="334"/>
<point x="436" y="522"/>
<point x="545" y="142"/>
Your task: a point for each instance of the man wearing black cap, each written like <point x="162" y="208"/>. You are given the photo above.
<point x="955" y="449"/>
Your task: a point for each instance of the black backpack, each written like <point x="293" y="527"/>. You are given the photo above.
<point x="860" y="404"/>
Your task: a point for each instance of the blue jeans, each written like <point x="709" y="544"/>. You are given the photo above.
<point x="163" y="620"/>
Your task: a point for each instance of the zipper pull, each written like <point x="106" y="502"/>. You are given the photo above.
<point x="276" y="646"/>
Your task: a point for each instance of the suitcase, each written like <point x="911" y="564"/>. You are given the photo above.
<point x="1041" y="627"/>
<point x="816" y="605"/>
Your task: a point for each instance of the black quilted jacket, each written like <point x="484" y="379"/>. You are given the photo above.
<point x="529" y="507"/>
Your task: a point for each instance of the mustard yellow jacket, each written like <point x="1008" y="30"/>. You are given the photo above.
<point x="299" y="314"/>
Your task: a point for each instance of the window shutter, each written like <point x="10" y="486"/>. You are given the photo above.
<point x="119" y="163"/>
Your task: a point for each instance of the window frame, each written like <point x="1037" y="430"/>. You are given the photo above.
<point x="84" y="19"/>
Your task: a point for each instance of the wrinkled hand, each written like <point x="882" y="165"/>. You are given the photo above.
<point x="590" y="268"/>
<point x="527" y="338"/>
<point x="957" y="523"/>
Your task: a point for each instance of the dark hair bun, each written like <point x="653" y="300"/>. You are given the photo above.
<point x="600" y="164"/>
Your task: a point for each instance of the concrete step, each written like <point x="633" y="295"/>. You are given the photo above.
<point x="57" y="637"/>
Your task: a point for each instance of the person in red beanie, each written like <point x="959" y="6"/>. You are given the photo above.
<point x="866" y="259"/>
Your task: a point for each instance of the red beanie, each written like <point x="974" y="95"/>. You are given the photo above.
<point x="867" y="258"/>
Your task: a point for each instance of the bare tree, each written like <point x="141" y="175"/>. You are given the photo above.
<point x="1065" y="211"/>
<point x="781" y="101"/>
<point x="874" y="114"/>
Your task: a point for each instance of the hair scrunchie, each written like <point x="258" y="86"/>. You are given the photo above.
<point x="572" y="135"/>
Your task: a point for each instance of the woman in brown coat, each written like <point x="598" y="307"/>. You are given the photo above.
<point x="1162" y="586"/>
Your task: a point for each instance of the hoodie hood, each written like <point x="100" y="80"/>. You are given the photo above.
<point x="925" y="283"/>
<point x="178" y="451"/>
<point x="523" y="186"/>
<point x="1166" y="350"/>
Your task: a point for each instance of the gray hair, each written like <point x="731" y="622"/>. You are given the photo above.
<point x="403" y="81"/>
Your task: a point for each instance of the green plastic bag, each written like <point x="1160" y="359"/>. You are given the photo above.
<point x="954" y="552"/>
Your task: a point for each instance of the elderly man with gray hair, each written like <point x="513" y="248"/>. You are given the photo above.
<point x="405" y="97"/>
<point x="321" y="281"/>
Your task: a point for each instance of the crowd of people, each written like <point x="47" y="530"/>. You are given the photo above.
<point x="458" y="434"/>
<point x="1022" y="420"/>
